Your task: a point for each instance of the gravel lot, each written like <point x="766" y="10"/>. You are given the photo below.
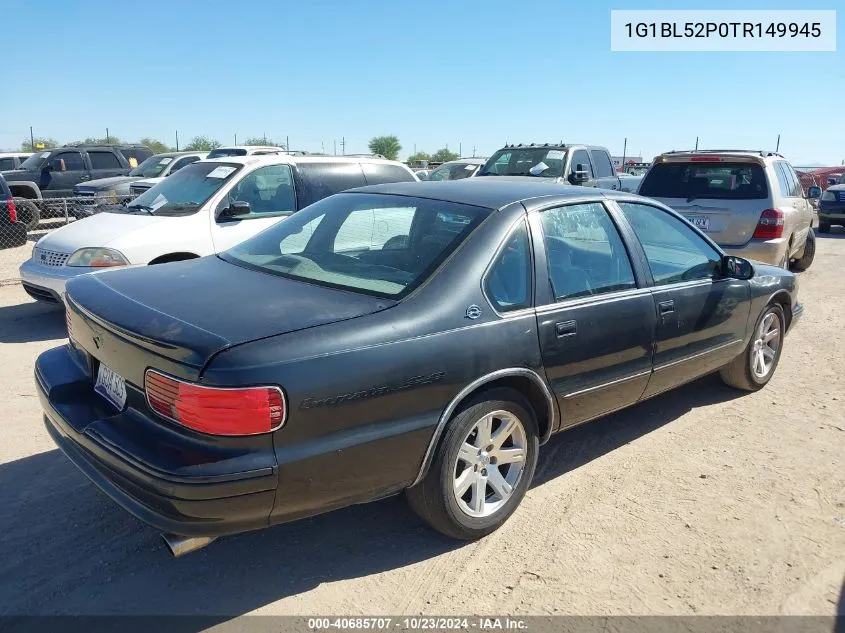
<point x="700" y="501"/>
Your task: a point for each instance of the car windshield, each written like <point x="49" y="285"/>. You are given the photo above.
<point x="526" y="161"/>
<point x="226" y="151"/>
<point x="184" y="192"/>
<point x="152" y="167"/>
<point x="382" y="245"/>
<point x="35" y="160"/>
<point x="717" y="180"/>
<point x="453" y="171"/>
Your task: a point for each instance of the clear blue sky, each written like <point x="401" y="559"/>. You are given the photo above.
<point x="432" y="72"/>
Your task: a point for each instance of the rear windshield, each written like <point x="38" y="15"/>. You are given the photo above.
<point x="222" y="151"/>
<point x="716" y="180"/>
<point x="184" y="192"/>
<point x="374" y="244"/>
<point x="526" y="161"/>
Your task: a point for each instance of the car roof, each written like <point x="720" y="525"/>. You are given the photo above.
<point x="750" y="153"/>
<point x="249" y="147"/>
<point x="490" y="191"/>
<point x="466" y="161"/>
<point x="4" y="154"/>
<point x="280" y="159"/>
<point x="560" y="146"/>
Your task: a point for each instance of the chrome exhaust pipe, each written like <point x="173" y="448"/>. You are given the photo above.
<point x="181" y="545"/>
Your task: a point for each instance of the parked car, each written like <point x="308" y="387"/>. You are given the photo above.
<point x="585" y="165"/>
<point x="12" y="230"/>
<point x="455" y="169"/>
<point x="204" y="208"/>
<point x="117" y="189"/>
<point x="248" y="150"/>
<point x="832" y="206"/>
<point x="749" y="202"/>
<point x="425" y="337"/>
<point x="630" y="182"/>
<point x="53" y="173"/>
<point x="12" y="160"/>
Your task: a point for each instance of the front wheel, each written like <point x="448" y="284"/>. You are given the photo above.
<point x="809" y="253"/>
<point x="752" y="370"/>
<point x="482" y="468"/>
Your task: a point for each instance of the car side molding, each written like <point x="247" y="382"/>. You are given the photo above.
<point x="474" y="385"/>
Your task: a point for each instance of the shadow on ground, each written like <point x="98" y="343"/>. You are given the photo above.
<point x="32" y="321"/>
<point x="67" y="549"/>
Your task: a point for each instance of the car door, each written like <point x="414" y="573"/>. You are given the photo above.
<point x="580" y="161"/>
<point x="701" y="315"/>
<point x="62" y="172"/>
<point x="269" y="191"/>
<point x="595" y="317"/>
<point x="606" y="176"/>
<point x="105" y="164"/>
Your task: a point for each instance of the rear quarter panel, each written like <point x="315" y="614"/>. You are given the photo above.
<point x="364" y="396"/>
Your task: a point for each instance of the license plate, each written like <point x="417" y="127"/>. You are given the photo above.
<point x="699" y="221"/>
<point x="111" y="386"/>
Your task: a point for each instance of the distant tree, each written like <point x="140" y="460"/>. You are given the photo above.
<point x="260" y="140"/>
<point x="156" y="146"/>
<point x="40" y="143"/>
<point x="387" y="146"/>
<point x="419" y="156"/>
<point x="111" y="140"/>
<point x="444" y="156"/>
<point x="202" y="144"/>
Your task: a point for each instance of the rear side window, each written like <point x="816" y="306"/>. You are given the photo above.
<point x="718" y="180"/>
<point x="508" y="284"/>
<point x="320" y="180"/>
<point x="7" y="163"/>
<point x="104" y="160"/>
<point x="377" y="174"/>
<point x="784" y="186"/>
<point x="602" y="164"/>
<point x="797" y="189"/>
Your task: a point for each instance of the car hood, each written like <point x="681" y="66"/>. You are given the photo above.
<point x="191" y="310"/>
<point x="97" y="230"/>
<point x="104" y="184"/>
<point x="148" y="182"/>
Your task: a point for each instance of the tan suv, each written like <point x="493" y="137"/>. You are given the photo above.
<point x="749" y="202"/>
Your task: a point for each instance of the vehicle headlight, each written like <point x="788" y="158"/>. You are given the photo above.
<point x="829" y="196"/>
<point x="97" y="258"/>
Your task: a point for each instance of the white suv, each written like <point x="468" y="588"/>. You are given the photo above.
<point x="204" y="208"/>
<point x="749" y="202"/>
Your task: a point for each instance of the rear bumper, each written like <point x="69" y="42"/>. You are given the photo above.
<point x="766" y="251"/>
<point x="185" y="485"/>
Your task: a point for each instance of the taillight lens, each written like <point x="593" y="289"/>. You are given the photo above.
<point x="770" y="224"/>
<point x="218" y="411"/>
<point x="13" y="212"/>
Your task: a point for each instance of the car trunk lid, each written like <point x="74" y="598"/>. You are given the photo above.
<point x="728" y="223"/>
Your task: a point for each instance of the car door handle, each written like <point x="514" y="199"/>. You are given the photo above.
<point x="566" y="328"/>
<point x="665" y="307"/>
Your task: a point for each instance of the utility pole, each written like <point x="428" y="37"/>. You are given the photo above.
<point x="696" y="143"/>
<point x="473" y="151"/>
<point x="335" y="146"/>
<point x="177" y="140"/>
<point x="287" y="142"/>
<point x="265" y="138"/>
<point x="31" y="139"/>
<point x="343" y="145"/>
<point x="236" y="139"/>
<point x="624" y="152"/>
<point x="107" y="136"/>
<point x="460" y="149"/>
<point x="778" y="145"/>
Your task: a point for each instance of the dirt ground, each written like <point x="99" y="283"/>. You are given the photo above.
<point x="700" y="501"/>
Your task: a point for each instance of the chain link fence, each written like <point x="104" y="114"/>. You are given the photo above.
<point x="23" y="221"/>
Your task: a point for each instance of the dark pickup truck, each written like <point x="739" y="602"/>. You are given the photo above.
<point x="53" y="173"/>
<point x="584" y="165"/>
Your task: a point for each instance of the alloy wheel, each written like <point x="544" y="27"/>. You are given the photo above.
<point x="765" y="346"/>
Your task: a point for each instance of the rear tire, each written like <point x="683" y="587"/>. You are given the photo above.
<point x="744" y="371"/>
<point x="809" y="253"/>
<point x="28" y="213"/>
<point x="470" y="489"/>
<point x="824" y="227"/>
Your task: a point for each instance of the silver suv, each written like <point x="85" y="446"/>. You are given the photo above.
<point x="750" y="202"/>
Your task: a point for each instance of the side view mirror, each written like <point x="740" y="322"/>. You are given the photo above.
<point x="736" y="267"/>
<point x="579" y="175"/>
<point x="236" y="208"/>
<point x="814" y="192"/>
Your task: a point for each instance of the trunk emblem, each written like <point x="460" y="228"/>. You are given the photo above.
<point x="473" y="312"/>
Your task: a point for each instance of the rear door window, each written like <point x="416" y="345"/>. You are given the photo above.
<point x="719" y="180"/>
<point x="104" y="160"/>
<point x="69" y="161"/>
<point x="316" y="181"/>
<point x="602" y="164"/>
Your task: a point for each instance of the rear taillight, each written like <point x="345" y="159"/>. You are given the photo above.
<point x="770" y="225"/>
<point x="13" y="212"/>
<point x="218" y="411"/>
